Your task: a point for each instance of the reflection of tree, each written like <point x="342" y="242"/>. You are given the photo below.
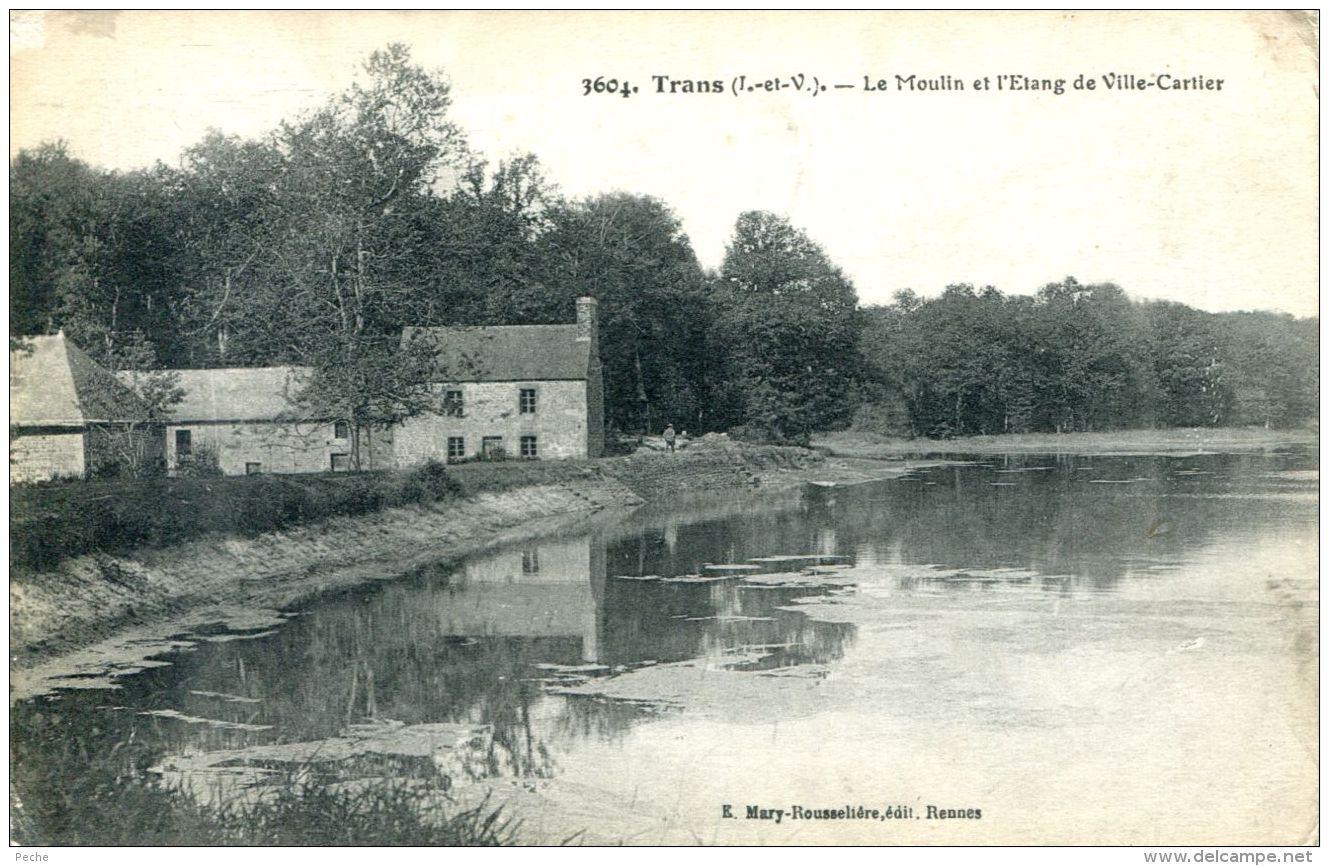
<point x="1054" y="522"/>
<point x="379" y="657"/>
<point x="514" y="750"/>
<point x="666" y="622"/>
<point x="713" y="529"/>
<point x="443" y="677"/>
<point x="584" y="718"/>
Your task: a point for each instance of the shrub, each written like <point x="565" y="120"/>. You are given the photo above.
<point x="762" y="434"/>
<point x="52" y="521"/>
<point x="887" y="417"/>
<point x="429" y="483"/>
<point x="101" y="807"/>
<point x="621" y="445"/>
<point x="203" y="463"/>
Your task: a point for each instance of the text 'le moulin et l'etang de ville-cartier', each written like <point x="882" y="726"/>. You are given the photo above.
<point x="1011" y="83"/>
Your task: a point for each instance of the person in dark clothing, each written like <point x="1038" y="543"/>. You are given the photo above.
<point x="669" y="437"/>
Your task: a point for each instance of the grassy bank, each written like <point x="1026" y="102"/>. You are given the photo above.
<point x="55" y="521"/>
<point x="146" y="561"/>
<point x="51" y="522"/>
<point x="139" y="811"/>
<point x="111" y="800"/>
<point x="1173" y="441"/>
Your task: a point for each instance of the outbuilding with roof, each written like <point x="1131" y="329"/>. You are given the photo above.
<point x="68" y="415"/>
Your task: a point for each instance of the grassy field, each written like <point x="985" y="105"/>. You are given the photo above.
<point x="1171" y="441"/>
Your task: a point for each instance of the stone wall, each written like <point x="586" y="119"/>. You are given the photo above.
<point x="42" y="456"/>
<point x="277" y="447"/>
<point x="559" y="422"/>
<point x="595" y="409"/>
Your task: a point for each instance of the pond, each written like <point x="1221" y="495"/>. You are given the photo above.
<point x="1024" y="650"/>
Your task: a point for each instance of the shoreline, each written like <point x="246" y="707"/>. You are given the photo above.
<point x="1121" y="443"/>
<point x="241" y="588"/>
<point x="96" y="618"/>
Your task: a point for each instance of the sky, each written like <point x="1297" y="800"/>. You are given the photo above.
<point x="1206" y="197"/>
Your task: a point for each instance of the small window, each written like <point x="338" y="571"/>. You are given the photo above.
<point x="341" y="430"/>
<point x="530" y="562"/>
<point x="526" y="402"/>
<point x="341" y="463"/>
<point x="253" y="468"/>
<point x="529" y="449"/>
<point x="491" y="446"/>
<point x="456" y="448"/>
<point x="184" y="444"/>
<point x="453" y="404"/>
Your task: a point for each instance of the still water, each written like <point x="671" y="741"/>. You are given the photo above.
<point x="1078" y="649"/>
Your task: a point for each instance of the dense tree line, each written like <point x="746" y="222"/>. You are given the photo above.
<point x="1081" y="357"/>
<point x="316" y="243"/>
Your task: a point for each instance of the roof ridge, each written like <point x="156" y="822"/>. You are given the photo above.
<point x="486" y="327"/>
<point x="226" y="369"/>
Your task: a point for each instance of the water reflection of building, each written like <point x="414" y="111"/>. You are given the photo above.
<point x="664" y="621"/>
<point x="563" y="589"/>
<point x="549" y="589"/>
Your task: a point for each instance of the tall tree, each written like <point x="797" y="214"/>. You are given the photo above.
<point x="485" y="262"/>
<point x="630" y="252"/>
<point x="91" y="251"/>
<point x="225" y="192"/>
<point x="1094" y="358"/>
<point x="50" y="206"/>
<point x="789" y="317"/>
<point x="312" y="261"/>
<point x="139" y="398"/>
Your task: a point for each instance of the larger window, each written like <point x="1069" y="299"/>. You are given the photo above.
<point x="526" y="401"/>
<point x="491" y="446"/>
<point x="453" y="404"/>
<point x="456" y="448"/>
<point x="529" y="449"/>
<point x="341" y="463"/>
<point x="184" y="444"/>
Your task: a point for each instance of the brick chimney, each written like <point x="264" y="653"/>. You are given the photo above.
<point x="588" y="320"/>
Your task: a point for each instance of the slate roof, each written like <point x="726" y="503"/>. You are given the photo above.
<point x="506" y="353"/>
<point x="238" y="394"/>
<point x="53" y="383"/>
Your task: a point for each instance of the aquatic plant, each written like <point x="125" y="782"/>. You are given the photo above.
<point x="98" y="809"/>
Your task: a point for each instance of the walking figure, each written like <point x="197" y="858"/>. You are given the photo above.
<point x="669" y="437"/>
